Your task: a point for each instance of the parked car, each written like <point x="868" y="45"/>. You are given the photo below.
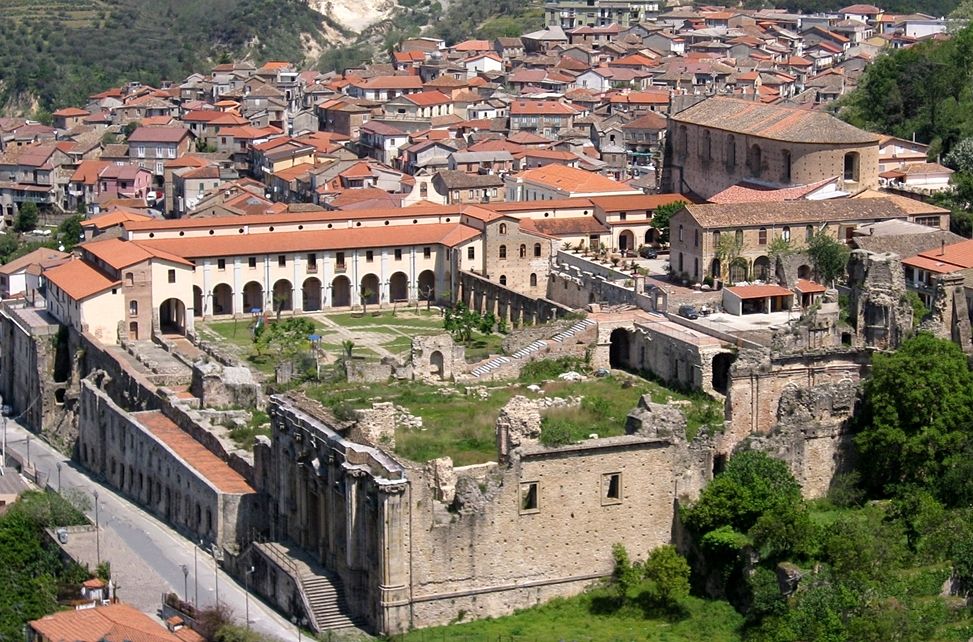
<point x="649" y="253"/>
<point x="688" y="311"/>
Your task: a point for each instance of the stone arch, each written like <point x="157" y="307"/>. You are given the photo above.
<point x="370" y="287"/>
<point x="730" y="152"/>
<point x="706" y="146"/>
<point x="852" y="169"/>
<point x="533" y="280"/>
<point x="340" y="292"/>
<point x="755" y="159"/>
<point x="619" y="348"/>
<point x="626" y="240"/>
<point x="398" y="287"/>
<point x="761" y="268"/>
<point x="502" y="252"/>
<point x="738" y="270"/>
<point x="222" y="299"/>
<point x="283" y="295"/>
<point x="437" y="364"/>
<point x="197" y="301"/>
<point x="253" y="297"/>
<point x="716" y="269"/>
<point x="311" y="294"/>
<point x="786" y="163"/>
<point x="427" y="285"/>
<point x="721" y="371"/>
<point x="682" y="141"/>
<point x="537" y="250"/>
<point x="172" y="316"/>
<point x="503" y="279"/>
<point x="522" y="252"/>
<point x="804" y="271"/>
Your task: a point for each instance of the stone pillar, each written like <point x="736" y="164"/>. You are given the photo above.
<point x="300" y="273"/>
<point x="351" y="518"/>
<point x="394" y="586"/>
<point x="237" y="288"/>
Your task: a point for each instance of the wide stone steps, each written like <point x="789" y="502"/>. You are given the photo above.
<point x="580" y="326"/>
<point x="492" y="364"/>
<point x="489" y="366"/>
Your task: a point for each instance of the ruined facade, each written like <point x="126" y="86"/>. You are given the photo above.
<point x="878" y="308"/>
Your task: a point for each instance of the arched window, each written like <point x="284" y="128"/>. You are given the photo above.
<point x="533" y="280"/>
<point x="716" y="237"/>
<point x="852" y="172"/>
<point x="680" y="233"/>
<point x="762" y="236"/>
<point x="503" y="252"/>
<point x="785" y="233"/>
<point x="523" y="251"/>
<point x="682" y="143"/>
<point x="133" y="308"/>
<point x="503" y="279"/>
<point x="706" y="150"/>
<point x="129" y="278"/>
<point x="503" y="228"/>
<point x="785" y="162"/>
<point x="808" y="232"/>
<point x="730" y="153"/>
<point x="738" y="237"/>
<point x="755" y="160"/>
<point x="537" y="249"/>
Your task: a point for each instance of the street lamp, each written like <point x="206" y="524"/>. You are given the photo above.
<point x="97" y="529"/>
<point x="247" y="595"/>
<point x="216" y="573"/>
<point x="28" y="451"/>
<point x="185" y="581"/>
<point x="196" y="548"/>
<point x="58" y="477"/>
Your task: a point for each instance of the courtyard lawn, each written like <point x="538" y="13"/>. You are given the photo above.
<point x="591" y="617"/>
<point x="406" y="318"/>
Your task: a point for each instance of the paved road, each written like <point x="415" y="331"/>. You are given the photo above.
<point x="149" y="544"/>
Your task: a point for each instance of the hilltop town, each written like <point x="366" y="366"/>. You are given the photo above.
<point x="448" y="335"/>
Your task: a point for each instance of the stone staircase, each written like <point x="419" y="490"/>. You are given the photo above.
<point x="323" y="594"/>
<point x="488" y="366"/>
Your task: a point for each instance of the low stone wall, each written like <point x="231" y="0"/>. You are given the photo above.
<point x="577" y="289"/>
<point x="516" y="309"/>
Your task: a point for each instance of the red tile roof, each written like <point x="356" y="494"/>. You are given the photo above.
<point x="79" y="280"/>
<point x="118" y="622"/>
<point x="759" y="291"/>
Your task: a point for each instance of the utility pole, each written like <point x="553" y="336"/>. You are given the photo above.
<point x="3" y="455"/>
<point x="216" y="574"/>
<point x="196" y="571"/>
<point x="185" y="582"/>
<point x="58" y="477"/>
<point x="97" y="530"/>
<point x="247" y="595"/>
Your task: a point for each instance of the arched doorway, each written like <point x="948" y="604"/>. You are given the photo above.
<point x="399" y="287"/>
<point x="369" y="290"/>
<point x="716" y="269"/>
<point x="651" y="236"/>
<point x="311" y="295"/>
<point x="721" y="371"/>
<point x="253" y="297"/>
<point x="172" y="317"/>
<point x="340" y="292"/>
<point x="738" y="271"/>
<point x="427" y="285"/>
<point x="626" y="241"/>
<point x="804" y="272"/>
<point x="618" y="351"/>
<point x="197" y="301"/>
<point x="283" y="295"/>
<point x="222" y="299"/>
<point x="436" y="363"/>
<point x="761" y="268"/>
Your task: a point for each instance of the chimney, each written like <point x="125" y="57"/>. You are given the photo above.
<point x="942" y="247"/>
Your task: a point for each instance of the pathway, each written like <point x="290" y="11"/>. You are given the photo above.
<point x="362" y="337"/>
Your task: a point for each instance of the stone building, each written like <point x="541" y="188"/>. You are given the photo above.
<point x="418" y="545"/>
<point x="720" y="142"/>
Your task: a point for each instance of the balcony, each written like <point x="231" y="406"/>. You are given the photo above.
<point x="312" y="268"/>
<point x="340" y="268"/>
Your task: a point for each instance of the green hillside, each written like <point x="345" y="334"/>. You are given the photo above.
<point x="57" y="52"/>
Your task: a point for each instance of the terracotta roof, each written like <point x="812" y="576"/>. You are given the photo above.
<point x="335" y="239"/>
<point x="742" y="193"/>
<point x="911" y="206"/>
<point x="88" y="171"/>
<point x="759" y="291"/>
<point x="69" y="112"/>
<point x="390" y="82"/>
<point x="118" y="622"/>
<point x="793" y="212"/>
<point x="194" y="454"/>
<point x="473" y="45"/>
<point x="158" y="135"/>
<point x="566" y="226"/>
<point x="806" y="286"/>
<point x="120" y="254"/>
<point x="42" y="256"/>
<point x="773" y="122"/>
<point x="79" y="280"/>
<point x="428" y="98"/>
<point x="115" y="217"/>
<point x="571" y="180"/>
<point x="636" y="201"/>
<point x="959" y="255"/>
<point x="650" y="120"/>
<point x="537" y="107"/>
<point x="554" y="204"/>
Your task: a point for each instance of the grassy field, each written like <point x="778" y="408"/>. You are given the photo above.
<point x="590" y="618"/>
<point x="462" y="427"/>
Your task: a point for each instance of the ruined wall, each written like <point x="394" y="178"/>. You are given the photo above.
<point x="437" y="358"/>
<point x="516" y="309"/>
<point x="219" y="386"/>
<point x="879" y="310"/>
<point x="576" y="289"/>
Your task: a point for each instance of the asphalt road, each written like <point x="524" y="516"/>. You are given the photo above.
<point x="149" y="542"/>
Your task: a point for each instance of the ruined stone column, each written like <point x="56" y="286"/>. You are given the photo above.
<point x="352" y="538"/>
<point x="394" y="587"/>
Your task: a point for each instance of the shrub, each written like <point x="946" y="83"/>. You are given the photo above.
<point x="556" y="432"/>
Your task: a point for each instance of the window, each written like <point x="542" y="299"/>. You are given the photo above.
<point x="537" y="249"/>
<point x="785" y="233"/>
<point x="716" y="237"/>
<point x="172" y="276"/>
<point x="528" y="497"/>
<point x="851" y="166"/>
<point x="252" y="261"/>
<point x="129" y="279"/>
<point x="762" y="236"/>
<point x="281" y="260"/>
<point x="611" y="488"/>
<point x="680" y="233"/>
<point x="696" y="238"/>
<point x="755" y="160"/>
<point x="369" y="256"/>
<point x="470" y="253"/>
<point x="426" y="252"/>
<point x="312" y="262"/>
<point x="133" y="308"/>
<point x="808" y="232"/>
<point x="523" y="251"/>
<point x="706" y="147"/>
<point x="533" y="280"/>
<point x="730" y="154"/>
<point x="503" y="252"/>
<point x="472" y="194"/>
<point x="738" y="237"/>
<point x="786" y="165"/>
<point x="503" y="228"/>
<point x="622" y="216"/>
<point x="339" y="259"/>
<point x="221" y="264"/>
<point x="503" y="279"/>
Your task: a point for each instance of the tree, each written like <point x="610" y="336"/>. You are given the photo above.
<point x="919" y="309"/>
<point x="828" y="257"/>
<point x="661" y="217"/>
<point x="365" y="295"/>
<point x="460" y="321"/>
<point x="287" y="337"/>
<point x="917" y="413"/>
<point x="780" y="247"/>
<point x="727" y="250"/>
<point x="347" y="347"/>
<point x="27" y="216"/>
<point x="70" y="232"/>
<point x="668" y="572"/>
<point x="960" y="157"/>
<point x="625" y="575"/>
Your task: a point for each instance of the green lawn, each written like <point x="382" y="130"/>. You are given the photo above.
<point x="407" y="319"/>
<point x="591" y="617"/>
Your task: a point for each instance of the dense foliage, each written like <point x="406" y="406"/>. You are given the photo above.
<point x="32" y="577"/>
